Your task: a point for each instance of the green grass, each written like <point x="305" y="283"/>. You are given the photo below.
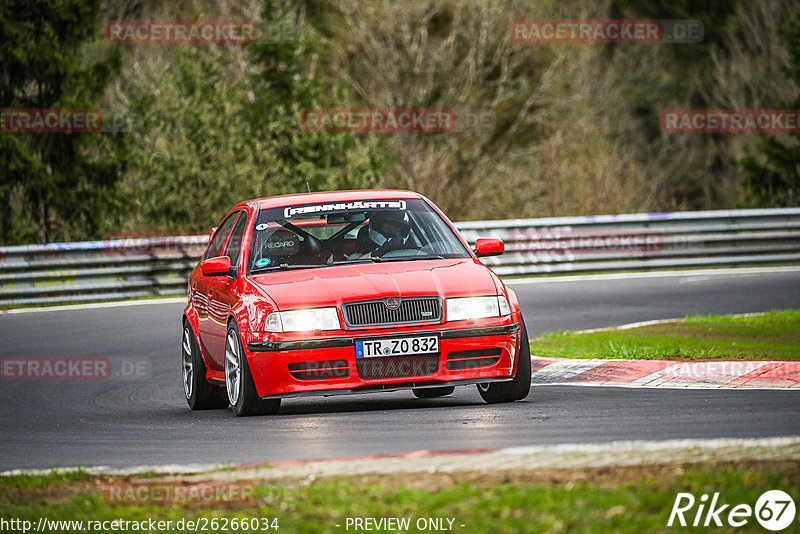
<point x="637" y="499"/>
<point x="772" y="336"/>
<point x="53" y="478"/>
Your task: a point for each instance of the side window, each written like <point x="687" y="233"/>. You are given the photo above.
<point x="215" y="248"/>
<point x="234" y="248"/>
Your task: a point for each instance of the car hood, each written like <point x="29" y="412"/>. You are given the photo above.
<point x="331" y="286"/>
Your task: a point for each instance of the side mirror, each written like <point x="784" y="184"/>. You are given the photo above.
<point x="489" y="247"/>
<point x="220" y="266"/>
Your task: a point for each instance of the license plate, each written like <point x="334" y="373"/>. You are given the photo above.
<point x="401" y="346"/>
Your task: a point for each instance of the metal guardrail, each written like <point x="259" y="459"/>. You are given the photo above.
<point x="131" y="267"/>
<point x="97" y="270"/>
<point x="654" y="241"/>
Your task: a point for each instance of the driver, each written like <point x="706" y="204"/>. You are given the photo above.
<point x="386" y="231"/>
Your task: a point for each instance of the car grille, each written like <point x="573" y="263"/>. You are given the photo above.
<point x="376" y="313"/>
<point x="320" y="370"/>
<point x="469" y="359"/>
<point x="397" y="366"/>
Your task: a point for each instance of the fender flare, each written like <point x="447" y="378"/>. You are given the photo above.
<point x="190" y="316"/>
<point x="241" y="317"/>
<point x="514" y="301"/>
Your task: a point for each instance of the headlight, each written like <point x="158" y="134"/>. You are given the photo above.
<point x="303" y="320"/>
<point x="460" y="309"/>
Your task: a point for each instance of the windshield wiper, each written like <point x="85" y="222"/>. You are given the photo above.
<point x="379" y="259"/>
<point x="349" y="262"/>
<point x="286" y="267"/>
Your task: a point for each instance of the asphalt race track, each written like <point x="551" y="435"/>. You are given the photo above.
<point x="577" y="303"/>
<point x="145" y="421"/>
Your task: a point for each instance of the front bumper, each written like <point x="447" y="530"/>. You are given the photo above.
<point x="328" y="365"/>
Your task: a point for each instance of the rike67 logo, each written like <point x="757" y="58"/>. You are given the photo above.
<point x="774" y="510"/>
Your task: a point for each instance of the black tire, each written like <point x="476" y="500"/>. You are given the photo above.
<point x="432" y="393"/>
<point x="200" y="395"/>
<point x="518" y="388"/>
<point x="242" y="393"/>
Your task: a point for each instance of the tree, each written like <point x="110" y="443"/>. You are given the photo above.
<point x="54" y="185"/>
<point x="773" y="180"/>
<point x="222" y="124"/>
<point x="284" y="85"/>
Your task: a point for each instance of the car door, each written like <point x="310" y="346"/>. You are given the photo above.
<point x="222" y="296"/>
<point x="209" y="316"/>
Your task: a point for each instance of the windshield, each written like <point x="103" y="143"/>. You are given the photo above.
<point x="320" y="235"/>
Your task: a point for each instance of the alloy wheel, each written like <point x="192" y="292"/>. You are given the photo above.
<point x="233" y="367"/>
<point x="188" y="364"/>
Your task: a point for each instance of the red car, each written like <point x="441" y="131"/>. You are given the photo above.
<point x="347" y="292"/>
